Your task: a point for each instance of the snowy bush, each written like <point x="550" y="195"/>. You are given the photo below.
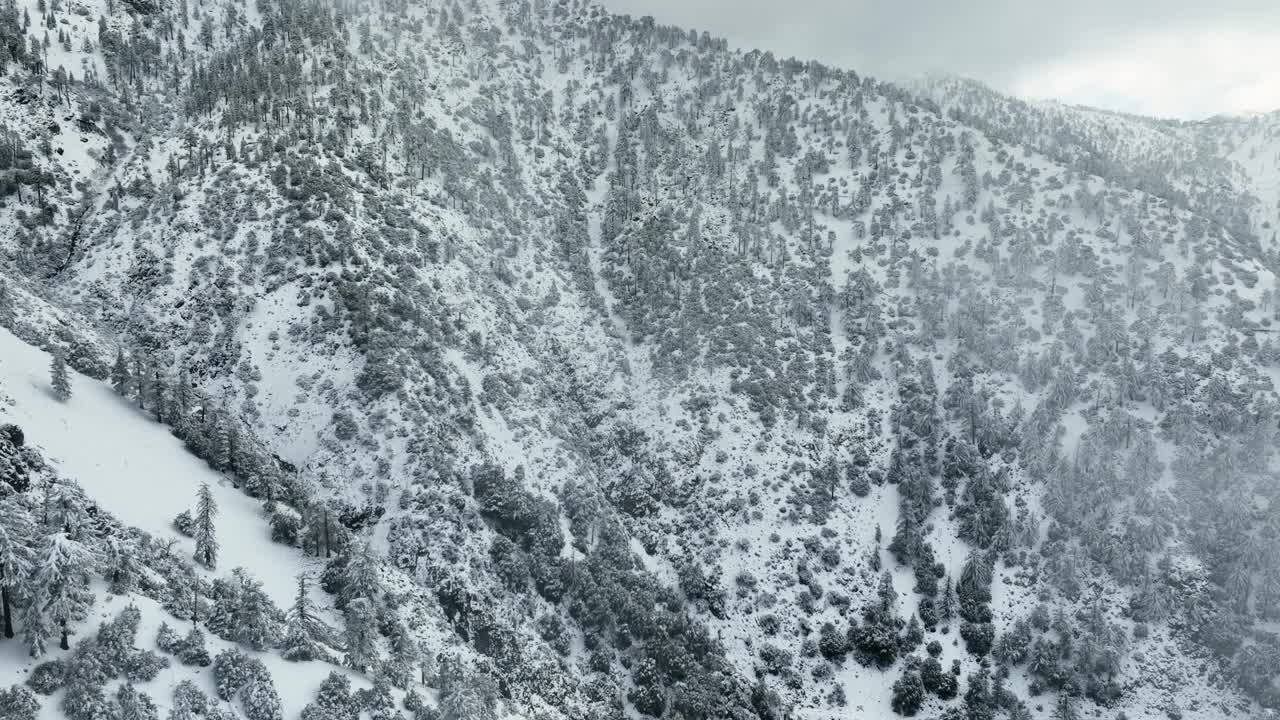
<point x="333" y="700"/>
<point x="189" y="699"/>
<point x="18" y="703"/>
<point x="185" y="524"/>
<point x="285" y="526"/>
<point x="133" y="704"/>
<point x="143" y="665"/>
<point x="833" y="643"/>
<point x="908" y="693"/>
<point x="375" y="698"/>
<point x="86" y="702"/>
<point x="260" y="701"/>
<point x="938" y="681"/>
<point x="977" y="637"/>
<point x="193" y="651"/>
<point x="48" y="677"/>
<point x="89" y="665"/>
<point x="233" y="671"/>
<point x="189" y="649"/>
<point x="14" y="468"/>
<point x="167" y="639"/>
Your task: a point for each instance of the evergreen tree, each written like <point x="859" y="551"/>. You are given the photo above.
<point x="6" y="295"/>
<point x="35" y="624"/>
<point x="255" y="618"/>
<point x="18" y="703"/>
<point x="140" y="383"/>
<point x="333" y="700"/>
<point x="16" y="526"/>
<point x="58" y="376"/>
<point x="134" y="704"/>
<point x="299" y="641"/>
<point x="182" y="400"/>
<point x="361" y="579"/>
<point x="361" y="634"/>
<point x="908" y="693"/>
<point x="60" y="582"/>
<point x="206" y="542"/>
<point x="120" y="375"/>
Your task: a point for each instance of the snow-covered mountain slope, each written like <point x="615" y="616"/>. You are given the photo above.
<point x="666" y="379"/>
<point x="1225" y="167"/>
<point x="134" y="469"/>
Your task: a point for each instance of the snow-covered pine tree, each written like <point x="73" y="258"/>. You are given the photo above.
<point x="362" y="632"/>
<point x="180" y="415"/>
<point x="401" y="667"/>
<point x="120" y="375"/>
<point x="6" y="304"/>
<point x="361" y="580"/>
<point x="134" y="704"/>
<point x="333" y="700"/>
<point x="62" y="571"/>
<point x="16" y="528"/>
<point x="120" y="564"/>
<point x="140" y="383"/>
<point x="59" y="381"/>
<point x="260" y="701"/>
<point x="160" y="403"/>
<point x="206" y="541"/>
<point x="255" y="619"/>
<point x="35" y="624"/>
<point x="299" y="641"/>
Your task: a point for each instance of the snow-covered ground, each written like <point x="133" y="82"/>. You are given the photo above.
<point x="134" y="467"/>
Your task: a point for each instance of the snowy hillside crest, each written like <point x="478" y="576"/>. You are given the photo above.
<point x="507" y="358"/>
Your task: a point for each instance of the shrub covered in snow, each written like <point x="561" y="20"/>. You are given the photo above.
<point x="18" y="703"/>
<point x="48" y="677"/>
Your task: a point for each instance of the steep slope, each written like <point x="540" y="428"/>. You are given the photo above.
<point x="684" y="381"/>
<point x="136" y="471"/>
<point x="1223" y="167"/>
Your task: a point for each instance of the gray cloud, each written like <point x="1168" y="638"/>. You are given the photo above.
<point x="1003" y="42"/>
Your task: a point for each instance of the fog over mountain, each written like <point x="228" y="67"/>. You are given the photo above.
<point x="1170" y="59"/>
<point x="480" y="359"/>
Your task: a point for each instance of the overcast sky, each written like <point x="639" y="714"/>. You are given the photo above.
<point x="1172" y="58"/>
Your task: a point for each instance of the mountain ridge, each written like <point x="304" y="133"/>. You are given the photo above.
<point x="587" y="306"/>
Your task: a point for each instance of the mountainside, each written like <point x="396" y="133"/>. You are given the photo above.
<point x="1224" y="168"/>
<point x="591" y="369"/>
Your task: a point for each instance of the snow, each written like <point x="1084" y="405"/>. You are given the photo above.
<point x="295" y="682"/>
<point x="133" y="467"/>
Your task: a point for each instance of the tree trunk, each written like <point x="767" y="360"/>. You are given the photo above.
<point x="8" y="615"/>
<point x="326" y="534"/>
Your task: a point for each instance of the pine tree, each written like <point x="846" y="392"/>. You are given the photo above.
<point x="120" y="375"/>
<point x="17" y="527"/>
<point x="61" y="581"/>
<point x="140" y="383"/>
<point x="361" y="579"/>
<point x="15" y="558"/>
<point x="58" y="375"/>
<point x="206" y="542"/>
<point x="182" y="399"/>
<point x="6" y="305"/>
<point x="160" y="402"/>
<point x="35" y="624"/>
<point x="134" y="704"/>
<point x="361" y="634"/>
<point x="255" y="619"/>
<point x="299" y="641"/>
<point x="908" y="693"/>
<point x="947" y="608"/>
<point x="333" y="700"/>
